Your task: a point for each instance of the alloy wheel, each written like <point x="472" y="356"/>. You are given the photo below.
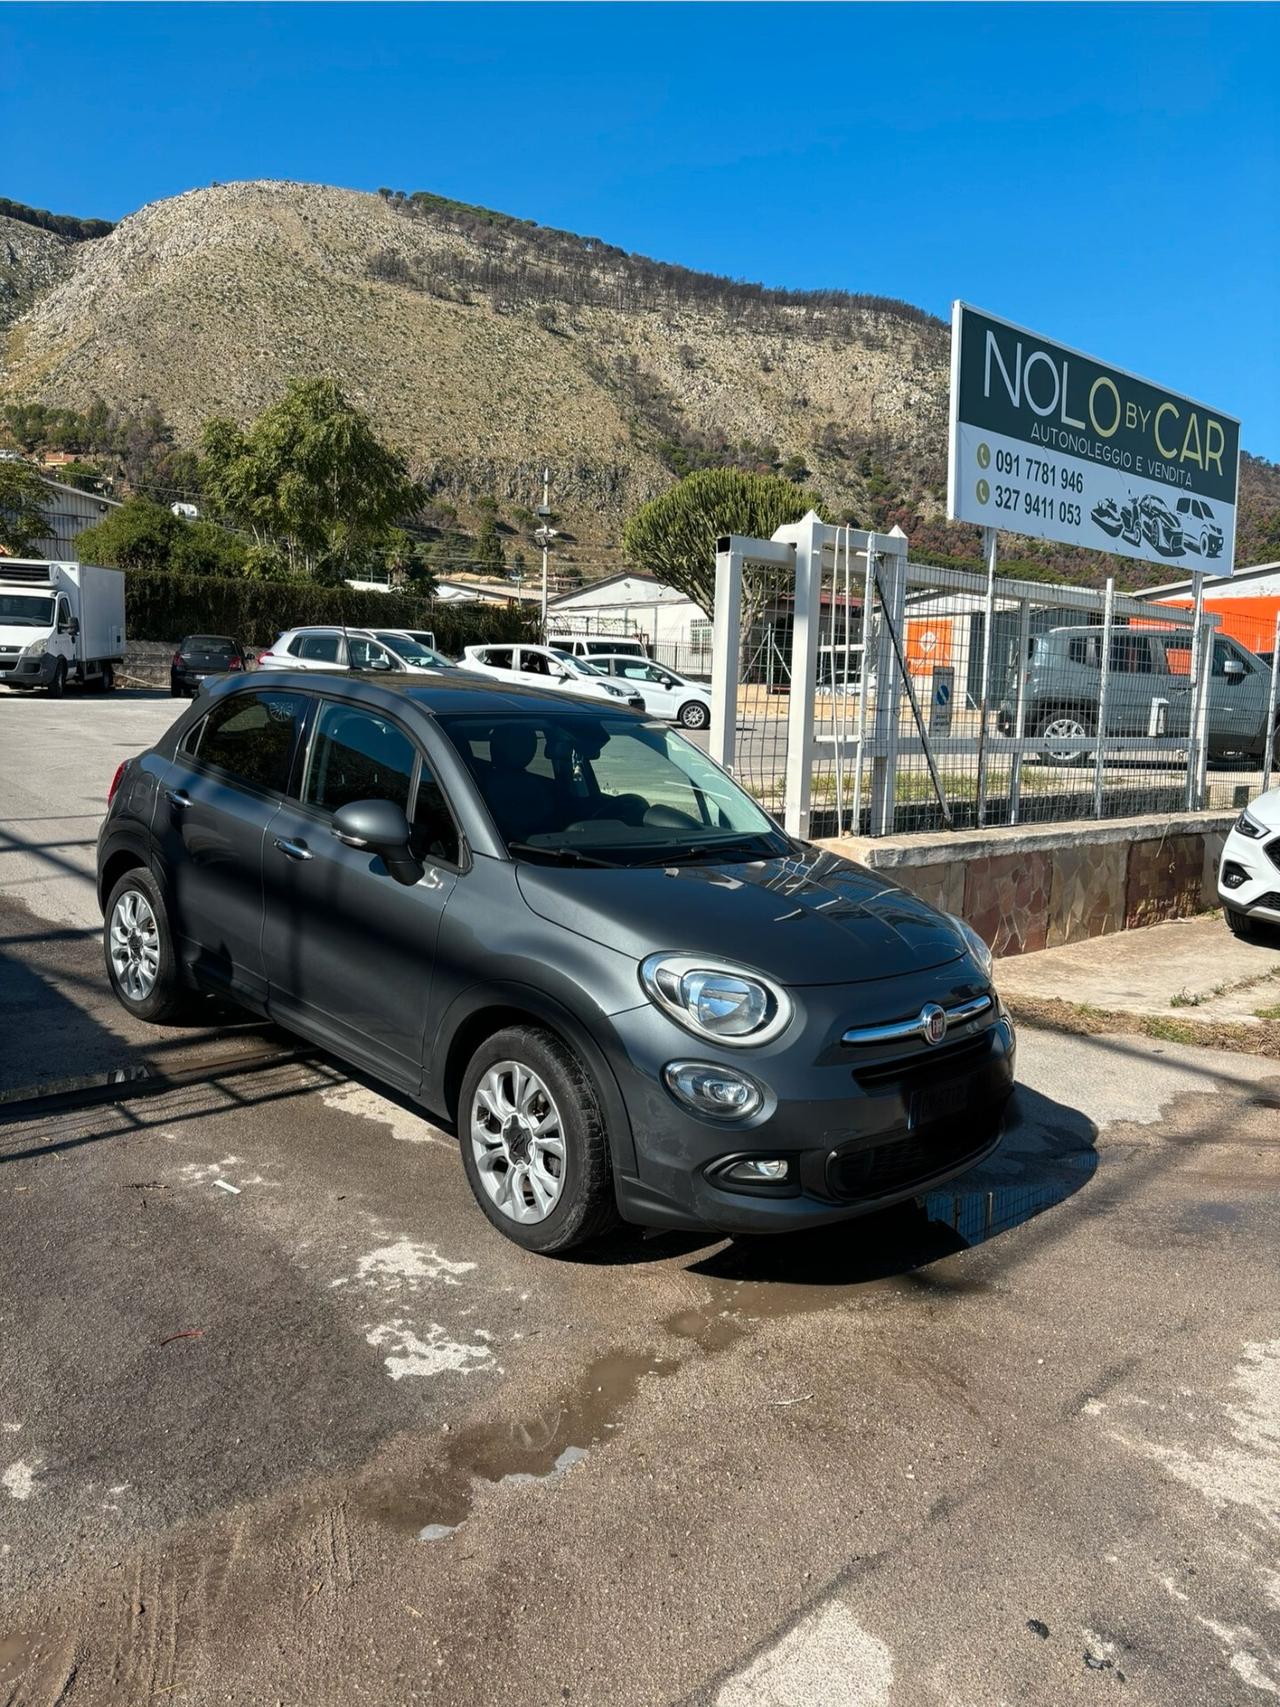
<point x="1063" y="729"/>
<point x="135" y="945"/>
<point x="517" y="1140"/>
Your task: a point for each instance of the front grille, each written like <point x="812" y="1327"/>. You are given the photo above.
<point x="1273" y="850"/>
<point x="900" y="1163"/>
<point x="921" y="1066"/>
<point x="1270" y="900"/>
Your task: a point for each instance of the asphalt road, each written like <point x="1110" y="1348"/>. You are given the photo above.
<point x="283" y="1420"/>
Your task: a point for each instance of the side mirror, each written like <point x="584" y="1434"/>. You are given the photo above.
<point x="379" y="827"/>
<point x="1233" y="668"/>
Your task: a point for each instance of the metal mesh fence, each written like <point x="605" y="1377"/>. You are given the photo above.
<point x="937" y="702"/>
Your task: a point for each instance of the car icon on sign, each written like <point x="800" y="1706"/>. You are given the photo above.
<point x="1199" y="530"/>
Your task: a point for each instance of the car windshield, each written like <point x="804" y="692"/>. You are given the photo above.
<point x="580" y="664"/>
<point x="603" y="791"/>
<point x="414" y="652"/>
<point x="26" y="610"/>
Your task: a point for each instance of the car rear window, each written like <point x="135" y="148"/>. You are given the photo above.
<point x="251" y="736"/>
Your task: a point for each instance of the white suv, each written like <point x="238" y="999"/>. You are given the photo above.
<point x="544" y="666"/>
<point x="665" y="693"/>
<point x="349" y="648"/>
<point x="1249" y="872"/>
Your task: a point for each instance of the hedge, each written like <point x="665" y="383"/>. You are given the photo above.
<point x="162" y="606"/>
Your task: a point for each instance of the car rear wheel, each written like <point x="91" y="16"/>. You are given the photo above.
<point x="107" y="679"/>
<point x="1061" y="726"/>
<point x="533" y="1141"/>
<point x="58" y="686"/>
<point x="138" y="944"/>
<point x="694" y="715"/>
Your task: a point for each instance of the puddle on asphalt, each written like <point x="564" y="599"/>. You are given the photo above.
<point x="898" y="1251"/>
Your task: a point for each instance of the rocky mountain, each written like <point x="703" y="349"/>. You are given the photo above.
<point x="486" y="346"/>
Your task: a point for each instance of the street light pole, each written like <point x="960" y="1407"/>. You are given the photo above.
<point x="544" y="536"/>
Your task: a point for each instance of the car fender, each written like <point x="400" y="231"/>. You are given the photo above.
<point x="576" y="1029"/>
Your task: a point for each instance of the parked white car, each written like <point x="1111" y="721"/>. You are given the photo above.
<point x="350" y="648"/>
<point x="1249" y="873"/>
<point x="665" y="693"/>
<point x="546" y="666"/>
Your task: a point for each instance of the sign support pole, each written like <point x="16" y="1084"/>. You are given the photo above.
<point x="989" y="551"/>
<point x="1268" y="758"/>
<point x="1199" y="693"/>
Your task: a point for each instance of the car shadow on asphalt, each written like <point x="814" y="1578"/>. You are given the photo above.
<point x="1048" y="1154"/>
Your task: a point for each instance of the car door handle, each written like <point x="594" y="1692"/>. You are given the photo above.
<point x="177" y="797"/>
<point x="295" y="850"/>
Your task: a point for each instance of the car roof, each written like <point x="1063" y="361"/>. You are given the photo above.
<point x="454" y="691"/>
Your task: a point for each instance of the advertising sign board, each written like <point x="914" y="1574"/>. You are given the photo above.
<point x="1048" y="442"/>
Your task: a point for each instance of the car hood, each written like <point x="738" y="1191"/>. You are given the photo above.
<point x="811" y="919"/>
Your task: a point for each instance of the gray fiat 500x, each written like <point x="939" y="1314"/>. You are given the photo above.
<point x="564" y="928"/>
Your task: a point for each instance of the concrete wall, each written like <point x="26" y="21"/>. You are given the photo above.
<point x="1024" y="889"/>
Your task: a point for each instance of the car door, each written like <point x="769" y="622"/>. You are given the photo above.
<point x="322" y="651"/>
<point x="348" y="949"/>
<point x="218" y="797"/>
<point x="1237" y="700"/>
<point x="659" y="701"/>
<point x="498" y="661"/>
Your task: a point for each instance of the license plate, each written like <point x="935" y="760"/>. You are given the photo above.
<point x="939" y="1102"/>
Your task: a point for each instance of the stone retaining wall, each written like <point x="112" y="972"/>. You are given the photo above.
<point x="1043" y="885"/>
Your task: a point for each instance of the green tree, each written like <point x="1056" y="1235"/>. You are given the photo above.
<point x="310" y="479"/>
<point x="142" y="534"/>
<point x="673" y="537"/>
<point x="490" y="556"/>
<point x="23" y="496"/>
<point x="82" y="475"/>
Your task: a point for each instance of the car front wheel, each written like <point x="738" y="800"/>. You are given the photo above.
<point x="533" y="1141"/>
<point x="1063" y="726"/>
<point x="138" y="943"/>
<point x="694" y="715"/>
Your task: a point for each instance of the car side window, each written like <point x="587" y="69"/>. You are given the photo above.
<point x="498" y="656"/>
<point x="368" y="655"/>
<point x="357" y="755"/>
<point x="1131" y="655"/>
<point x="251" y="736"/>
<point x="1084" y="650"/>
<point x="322" y="648"/>
<point x="1222" y="650"/>
<point x="534" y="663"/>
<point x="360" y="755"/>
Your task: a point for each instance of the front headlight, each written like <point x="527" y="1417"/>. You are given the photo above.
<point x="977" y="948"/>
<point x="1249" y="826"/>
<point x="37" y="649"/>
<point x="618" y="693"/>
<point x="725" y="1003"/>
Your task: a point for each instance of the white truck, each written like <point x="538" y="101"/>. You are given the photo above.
<point x="59" y="623"/>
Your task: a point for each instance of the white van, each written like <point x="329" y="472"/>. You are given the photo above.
<point x="593" y="645"/>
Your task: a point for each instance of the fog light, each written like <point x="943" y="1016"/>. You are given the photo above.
<point x="1233" y="875"/>
<point x="718" y="1091"/>
<point x="760" y="1170"/>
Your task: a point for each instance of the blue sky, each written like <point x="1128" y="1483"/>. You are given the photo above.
<point x="1108" y="175"/>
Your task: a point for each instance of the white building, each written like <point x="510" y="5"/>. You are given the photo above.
<point x="675" y="629"/>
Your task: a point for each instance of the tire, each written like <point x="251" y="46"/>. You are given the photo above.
<point x="175" y="692"/>
<point x="58" y="686"/>
<point x="1239" y="924"/>
<point x="579" y="1201"/>
<point x="107" y="679"/>
<point x="693" y="715"/>
<point x="164" y="998"/>
<point x="1067" y="726"/>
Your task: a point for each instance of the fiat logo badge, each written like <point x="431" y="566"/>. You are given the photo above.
<point x="933" y="1023"/>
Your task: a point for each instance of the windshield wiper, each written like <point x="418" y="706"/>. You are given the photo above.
<point x="713" y="849"/>
<point x="574" y="856"/>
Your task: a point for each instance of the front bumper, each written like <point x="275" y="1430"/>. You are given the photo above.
<point x="1258" y="894"/>
<point x="862" y="1128"/>
<point x="30" y="672"/>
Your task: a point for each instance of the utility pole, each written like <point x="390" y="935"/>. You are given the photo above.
<point x="544" y="536"/>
